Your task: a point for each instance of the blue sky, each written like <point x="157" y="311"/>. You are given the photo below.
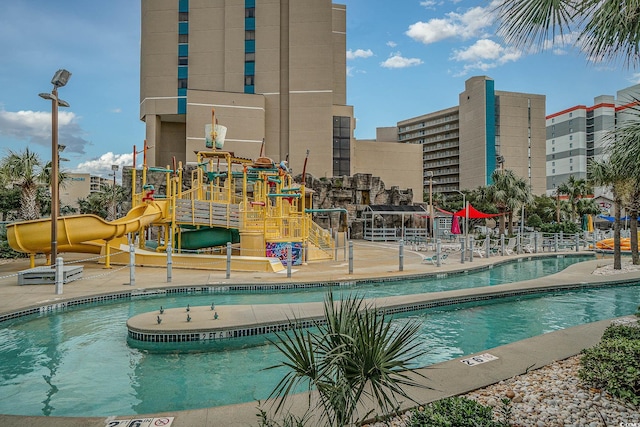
<point x="405" y="58"/>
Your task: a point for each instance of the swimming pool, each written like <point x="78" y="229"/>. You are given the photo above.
<point x="78" y="363"/>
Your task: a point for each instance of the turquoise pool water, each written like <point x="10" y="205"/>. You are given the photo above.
<point x="78" y="363"/>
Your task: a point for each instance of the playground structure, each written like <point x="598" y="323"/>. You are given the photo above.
<point x="252" y="205"/>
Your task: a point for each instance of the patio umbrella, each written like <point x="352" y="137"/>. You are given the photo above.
<point x="585" y="222"/>
<point x="455" y="226"/>
<point x="590" y="224"/>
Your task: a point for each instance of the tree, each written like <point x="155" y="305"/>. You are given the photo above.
<point x="606" y="30"/>
<point x="24" y="169"/>
<point x="355" y="354"/>
<point x="624" y="150"/>
<point x="575" y="189"/>
<point x="607" y="173"/>
<point x="508" y="193"/>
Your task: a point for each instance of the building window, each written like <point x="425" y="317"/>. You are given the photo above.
<point x="570" y="114"/>
<point x="250" y="35"/>
<point x="553" y="171"/>
<point x="553" y="163"/>
<point x="183" y="38"/>
<point x="571" y="145"/>
<point x="553" y="149"/>
<point x="250" y="57"/>
<point x="249" y="80"/>
<point x="182" y="83"/>
<point x="341" y="145"/>
<point x="250" y="12"/>
<point x="570" y="168"/>
<point x="570" y="137"/>
<point x="183" y="60"/>
<point x="570" y="160"/>
<point x="183" y="16"/>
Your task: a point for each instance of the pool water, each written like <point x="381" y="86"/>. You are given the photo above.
<point x="77" y="363"/>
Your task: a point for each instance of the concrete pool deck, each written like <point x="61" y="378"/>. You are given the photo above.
<point x="370" y="261"/>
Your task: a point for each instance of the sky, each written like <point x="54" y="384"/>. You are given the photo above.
<point x="405" y="58"/>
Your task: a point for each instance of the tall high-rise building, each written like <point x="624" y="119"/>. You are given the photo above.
<point x="463" y="145"/>
<point x="272" y="70"/>
<point x="581" y="133"/>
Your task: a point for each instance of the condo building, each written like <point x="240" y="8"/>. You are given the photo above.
<point x="581" y="133"/>
<point x="489" y="129"/>
<point x="272" y="71"/>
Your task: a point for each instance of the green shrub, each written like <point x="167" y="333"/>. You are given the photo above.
<point x="565" y="227"/>
<point x="614" y="364"/>
<point x="5" y="249"/>
<point x="453" y="412"/>
<point x="621" y="331"/>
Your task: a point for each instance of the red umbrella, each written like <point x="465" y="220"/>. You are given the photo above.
<point x="455" y="226"/>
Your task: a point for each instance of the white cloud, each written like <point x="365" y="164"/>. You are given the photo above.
<point x="396" y="60"/>
<point x="482" y="49"/>
<point x="35" y="127"/>
<point x="359" y="53"/>
<point x="392" y="44"/>
<point x="471" y="23"/>
<point x="483" y="55"/>
<point x="116" y="110"/>
<point x="429" y="4"/>
<point x="102" y="165"/>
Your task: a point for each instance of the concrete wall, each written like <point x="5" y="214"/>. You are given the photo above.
<point x="395" y="163"/>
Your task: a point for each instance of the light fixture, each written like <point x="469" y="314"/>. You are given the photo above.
<point x="60" y="78"/>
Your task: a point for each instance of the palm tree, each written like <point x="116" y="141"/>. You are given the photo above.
<point x="575" y="189"/>
<point x="608" y="173"/>
<point x="625" y="149"/>
<point x="508" y="193"/>
<point x="24" y="169"/>
<point x="356" y="354"/>
<point x="606" y="29"/>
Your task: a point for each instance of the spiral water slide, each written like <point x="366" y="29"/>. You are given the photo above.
<point x="81" y="233"/>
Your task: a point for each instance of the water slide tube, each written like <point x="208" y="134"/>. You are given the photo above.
<point x="78" y="233"/>
<point x="607" y="244"/>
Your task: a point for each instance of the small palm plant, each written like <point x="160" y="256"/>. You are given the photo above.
<point x="355" y="358"/>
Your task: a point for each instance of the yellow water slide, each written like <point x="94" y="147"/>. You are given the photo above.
<point x="78" y="233"/>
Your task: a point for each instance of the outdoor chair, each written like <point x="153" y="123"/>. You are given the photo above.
<point x="480" y="248"/>
<point x="433" y="259"/>
<point x="510" y="247"/>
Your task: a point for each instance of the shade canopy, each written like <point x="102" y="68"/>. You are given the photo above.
<point x="473" y="213"/>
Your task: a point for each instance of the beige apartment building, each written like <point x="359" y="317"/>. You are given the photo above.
<point x="272" y="71"/>
<point x="489" y="129"/>
<point x="79" y="186"/>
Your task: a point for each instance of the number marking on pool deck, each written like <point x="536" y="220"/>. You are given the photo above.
<point x="141" y="422"/>
<point x="481" y="358"/>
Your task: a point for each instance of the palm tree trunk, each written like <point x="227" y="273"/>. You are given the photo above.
<point x="29" y="203"/>
<point x="617" y="256"/>
<point x="633" y="217"/>
<point x="510" y="224"/>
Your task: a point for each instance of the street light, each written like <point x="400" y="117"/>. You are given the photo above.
<point x="430" y="175"/>
<point x="60" y="78"/>
<point x="114" y="168"/>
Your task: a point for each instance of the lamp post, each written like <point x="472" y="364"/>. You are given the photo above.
<point x="114" y="168"/>
<point x="60" y="78"/>
<point x="430" y="175"/>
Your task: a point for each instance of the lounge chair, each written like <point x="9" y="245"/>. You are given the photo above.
<point x="480" y="247"/>
<point x="510" y="247"/>
<point x="433" y="259"/>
